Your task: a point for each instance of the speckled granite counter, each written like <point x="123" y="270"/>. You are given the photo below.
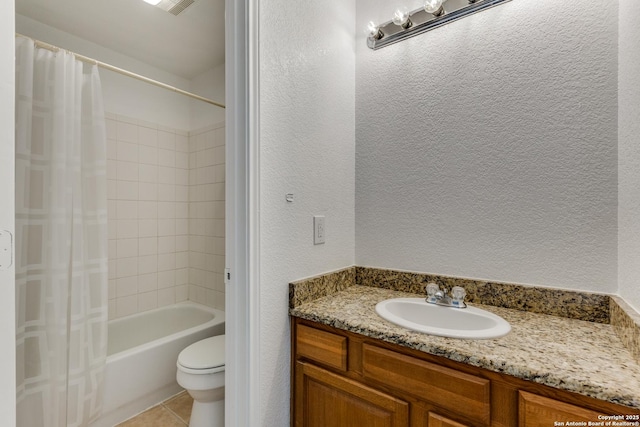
<point x="575" y="355"/>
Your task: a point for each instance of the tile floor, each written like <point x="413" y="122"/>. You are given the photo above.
<point x="173" y="412"/>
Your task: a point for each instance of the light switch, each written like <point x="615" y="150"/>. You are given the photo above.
<point x="318" y="230"/>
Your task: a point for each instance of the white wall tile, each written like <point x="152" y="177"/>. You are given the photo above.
<point x="148" y="137"/>
<point x="167" y="227"/>
<point x="148" y="282"/>
<point x="166" y="244"/>
<point x="126" y="286"/>
<point x="112" y="129"/>
<point x="127" y="228"/>
<point x="148" y="191"/>
<point x="181" y="160"/>
<point x="147" y="209"/>
<point x="112" y="169"/>
<point x="166" y="192"/>
<point x="112" y="189"/>
<point x="112" y="149"/>
<point x="166" y="140"/>
<point x="127" y="190"/>
<point x="166" y="262"/>
<point x="182" y="259"/>
<point x="148" y="173"/>
<point x="166" y="279"/>
<point x="148" y="246"/>
<point x="148" y="228"/>
<point x="126" y="305"/>
<point x="167" y="296"/>
<point x="127" y="248"/>
<point x="127" y="267"/>
<point x="148" y="155"/>
<point x="112" y="288"/>
<point x="182" y="292"/>
<point x="166" y="202"/>
<point x="166" y="174"/>
<point x="166" y="210"/>
<point x="147" y="301"/>
<point x="127" y="132"/>
<point x="182" y="176"/>
<point x="127" y="171"/>
<point x="126" y="209"/>
<point x="147" y="264"/>
<point x="127" y="151"/>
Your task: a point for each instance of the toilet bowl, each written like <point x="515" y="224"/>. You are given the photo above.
<point x="201" y="373"/>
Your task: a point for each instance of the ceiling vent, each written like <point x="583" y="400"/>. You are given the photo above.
<point x="175" y="7"/>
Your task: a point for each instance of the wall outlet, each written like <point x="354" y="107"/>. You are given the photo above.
<point x="318" y="230"/>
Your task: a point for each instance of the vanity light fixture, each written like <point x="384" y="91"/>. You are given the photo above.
<point x="373" y="31"/>
<point x="401" y="17"/>
<point x="174" y="7"/>
<point x="433" y="14"/>
<point x="434" y="7"/>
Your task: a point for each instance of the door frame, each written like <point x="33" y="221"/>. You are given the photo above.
<point x="242" y="297"/>
<point x="7" y="212"/>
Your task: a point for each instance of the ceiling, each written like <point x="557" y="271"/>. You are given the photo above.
<point x="185" y="45"/>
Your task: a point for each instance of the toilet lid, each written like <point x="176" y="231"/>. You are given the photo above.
<point x="205" y="354"/>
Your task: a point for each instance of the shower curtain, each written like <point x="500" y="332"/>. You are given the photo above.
<point x="61" y="230"/>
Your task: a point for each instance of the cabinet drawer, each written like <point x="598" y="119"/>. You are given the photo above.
<point x="455" y="391"/>
<point x="538" y="411"/>
<point x="323" y="347"/>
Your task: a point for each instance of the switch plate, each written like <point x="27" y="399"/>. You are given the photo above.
<point x="318" y="230"/>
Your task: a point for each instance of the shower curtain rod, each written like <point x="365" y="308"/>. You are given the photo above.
<point x="122" y="71"/>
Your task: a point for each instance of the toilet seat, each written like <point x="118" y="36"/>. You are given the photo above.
<point x="203" y="357"/>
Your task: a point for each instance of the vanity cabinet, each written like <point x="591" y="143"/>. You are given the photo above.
<point x="538" y="411"/>
<point x="332" y="400"/>
<point x="342" y="379"/>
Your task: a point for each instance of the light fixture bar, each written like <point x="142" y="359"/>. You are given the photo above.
<point x="423" y="21"/>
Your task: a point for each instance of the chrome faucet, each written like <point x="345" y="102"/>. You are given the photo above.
<point x="437" y="296"/>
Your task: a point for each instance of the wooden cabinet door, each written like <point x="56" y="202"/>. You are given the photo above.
<point x="436" y="420"/>
<point x="538" y="411"/>
<point x="324" y="399"/>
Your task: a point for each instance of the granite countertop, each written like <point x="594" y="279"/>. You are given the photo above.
<point x="575" y="355"/>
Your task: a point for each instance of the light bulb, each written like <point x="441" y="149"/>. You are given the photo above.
<point x="373" y="31"/>
<point x="401" y="17"/>
<point x="153" y="2"/>
<point x="434" y="7"/>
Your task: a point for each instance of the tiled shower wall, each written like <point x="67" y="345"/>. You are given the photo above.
<point x="150" y="215"/>
<point x="206" y="219"/>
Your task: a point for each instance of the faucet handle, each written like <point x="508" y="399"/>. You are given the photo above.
<point x="458" y="293"/>
<point x="432" y="290"/>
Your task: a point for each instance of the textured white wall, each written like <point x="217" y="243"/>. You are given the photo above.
<point x="488" y="148"/>
<point x="307" y="147"/>
<point x="629" y="152"/>
<point x="209" y="84"/>
<point x="123" y="95"/>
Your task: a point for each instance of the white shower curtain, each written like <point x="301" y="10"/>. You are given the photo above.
<point x="61" y="229"/>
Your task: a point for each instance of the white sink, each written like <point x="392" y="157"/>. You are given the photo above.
<point x="418" y="315"/>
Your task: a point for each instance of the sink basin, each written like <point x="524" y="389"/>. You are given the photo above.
<point x="418" y="315"/>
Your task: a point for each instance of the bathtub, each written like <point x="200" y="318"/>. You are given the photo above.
<point x="142" y="353"/>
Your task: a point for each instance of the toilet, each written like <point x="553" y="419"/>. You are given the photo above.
<point x="201" y="373"/>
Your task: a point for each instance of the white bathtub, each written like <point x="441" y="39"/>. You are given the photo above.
<point x="142" y="354"/>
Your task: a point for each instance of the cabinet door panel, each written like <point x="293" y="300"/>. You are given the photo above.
<point x="447" y="388"/>
<point x="538" y="411"/>
<point x="436" y="420"/>
<point x="328" y="400"/>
